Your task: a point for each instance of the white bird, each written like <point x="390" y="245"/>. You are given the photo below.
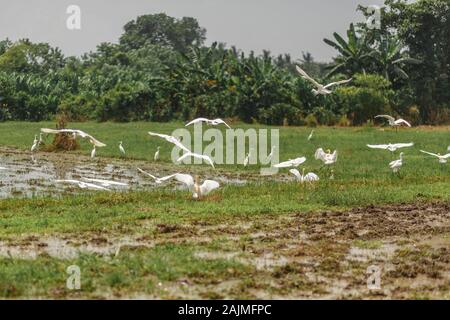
<point x="40" y="139"/>
<point x="83" y="185"/>
<point x="75" y="133"/>
<point x="214" y="122"/>
<point x="442" y="158"/>
<point x="35" y="143"/>
<point x="121" y="148"/>
<point x="311" y="135"/>
<point x="170" y="139"/>
<point x="393" y="122"/>
<point x="309" y="177"/>
<point x="448" y="148"/>
<point x="194" y="185"/>
<point x="291" y="163"/>
<point x="247" y="159"/>
<point x="396" y="164"/>
<point x="157" y="180"/>
<point x="196" y="155"/>
<point x="106" y="183"/>
<point x="270" y="156"/>
<point x="156" y="156"/>
<point x="326" y="157"/>
<point x="321" y="89"/>
<point x="93" y="152"/>
<point x="390" y="147"/>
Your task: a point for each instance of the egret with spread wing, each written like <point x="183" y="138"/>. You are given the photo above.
<point x="75" y="134"/>
<point x="301" y="177"/>
<point x="291" y="163"/>
<point x="442" y="158"/>
<point x="198" y="190"/>
<point x="394" y="123"/>
<point x="157" y="180"/>
<point x="214" y="122"/>
<point x="326" y="157"/>
<point x="390" y="147"/>
<point x="320" y="88"/>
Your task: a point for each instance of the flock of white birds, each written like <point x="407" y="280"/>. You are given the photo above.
<point x="198" y="190"/>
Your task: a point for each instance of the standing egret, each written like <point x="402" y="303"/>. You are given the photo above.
<point x="393" y="122"/>
<point x="156" y="156"/>
<point x="397" y="164"/>
<point x="121" y="148"/>
<point x="291" y="163"/>
<point x="214" y="122"/>
<point x="270" y="156"/>
<point x="93" y="152"/>
<point x="198" y="190"/>
<point x="311" y="135"/>
<point x="442" y="158"/>
<point x="75" y="133"/>
<point x="35" y="144"/>
<point x="158" y="180"/>
<point x="320" y="88"/>
<point x="309" y="177"/>
<point x="326" y="157"/>
<point x="40" y="139"/>
<point x="247" y="159"/>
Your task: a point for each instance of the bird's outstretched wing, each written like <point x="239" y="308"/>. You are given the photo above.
<point x="311" y="177"/>
<point x="446" y="156"/>
<point x="337" y="83"/>
<point x="378" y="146"/>
<point x="220" y="121"/>
<point x="320" y="154"/>
<point x="197" y="121"/>
<point x="403" y="145"/>
<point x="385" y="116"/>
<point x="208" y="186"/>
<point x="187" y="179"/>
<point x="170" y="139"/>
<point x="296" y="173"/>
<point x="400" y="121"/>
<point x="307" y="77"/>
<point x="431" y="154"/>
<point x="78" y="132"/>
<point x="147" y="174"/>
<point x="106" y="183"/>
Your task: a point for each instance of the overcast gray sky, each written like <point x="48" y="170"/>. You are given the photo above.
<point x="282" y="26"/>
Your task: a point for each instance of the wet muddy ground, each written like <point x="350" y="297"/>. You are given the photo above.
<point x="323" y="255"/>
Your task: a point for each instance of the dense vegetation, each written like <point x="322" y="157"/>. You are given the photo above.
<point x="160" y="70"/>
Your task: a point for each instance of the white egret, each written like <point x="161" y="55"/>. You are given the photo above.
<point x="393" y="122"/>
<point x="198" y="190"/>
<point x="214" y="122"/>
<point x="397" y="164"/>
<point x="390" y="147"/>
<point x="247" y="159"/>
<point x="170" y="139"/>
<point x="93" y="152"/>
<point x="270" y="156"/>
<point x="75" y="133"/>
<point x="301" y="177"/>
<point x="157" y="180"/>
<point x="291" y="163"/>
<point x="311" y="135"/>
<point x="196" y="155"/>
<point x="320" y="88"/>
<point x="326" y="157"/>
<point x="106" y="183"/>
<point x="442" y="158"/>
<point x="40" y="139"/>
<point x="35" y="143"/>
<point x="121" y="148"/>
<point x="83" y="185"/>
<point x="156" y="156"/>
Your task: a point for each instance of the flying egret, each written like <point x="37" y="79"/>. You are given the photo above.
<point x="214" y="122"/>
<point x="309" y="177"/>
<point x="311" y="135"/>
<point x="291" y="163"/>
<point x="93" y="152"/>
<point x="326" y="157"/>
<point x="157" y="180"/>
<point x="198" y="190"/>
<point x="196" y="155"/>
<point x="156" y="156"/>
<point x="393" y="122"/>
<point x="170" y="139"/>
<point x="442" y="158"/>
<point x="35" y="143"/>
<point x="83" y="185"/>
<point x="320" y="88"/>
<point x="106" y="183"/>
<point x="390" y="147"/>
<point x="397" y="164"/>
<point x="121" y="148"/>
<point x="76" y="133"/>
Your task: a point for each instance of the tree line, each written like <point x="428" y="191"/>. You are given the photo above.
<point x="161" y="70"/>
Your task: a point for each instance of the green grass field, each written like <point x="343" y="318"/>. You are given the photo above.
<point x="169" y="229"/>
